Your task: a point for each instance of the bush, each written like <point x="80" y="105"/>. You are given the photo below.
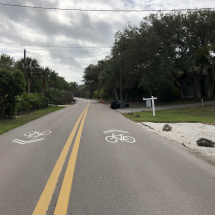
<point x="63" y="97"/>
<point x="98" y="94"/>
<point x="12" y="84"/>
<point x="28" y="102"/>
<point x="11" y="107"/>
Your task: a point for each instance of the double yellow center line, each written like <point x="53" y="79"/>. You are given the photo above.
<point x="63" y="198"/>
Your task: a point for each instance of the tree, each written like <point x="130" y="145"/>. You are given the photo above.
<point x="6" y="62"/>
<point x="91" y="78"/>
<point x="59" y="83"/>
<point x="46" y="75"/>
<point x="73" y="87"/>
<point x="12" y="84"/>
<point x="32" y="67"/>
<point x="109" y="75"/>
<point x="200" y="31"/>
<point x="206" y="56"/>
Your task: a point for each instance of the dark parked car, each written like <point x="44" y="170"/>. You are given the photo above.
<point x="114" y="104"/>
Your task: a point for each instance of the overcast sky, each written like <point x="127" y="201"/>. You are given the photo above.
<point x="68" y="41"/>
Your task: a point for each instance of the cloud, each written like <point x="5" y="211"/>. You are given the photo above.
<point x="46" y="34"/>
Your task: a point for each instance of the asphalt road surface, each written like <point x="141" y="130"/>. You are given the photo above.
<point x="87" y="159"/>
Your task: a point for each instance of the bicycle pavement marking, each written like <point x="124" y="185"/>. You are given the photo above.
<point x="33" y="135"/>
<point x="115" y="137"/>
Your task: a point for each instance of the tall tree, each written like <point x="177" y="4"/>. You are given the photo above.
<point x="32" y="67"/>
<point x="73" y="87"/>
<point x="6" y="62"/>
<point x="200" y="32"/>
<point x="91" y="78"/>
<point x="109" y="75"/>
<point x="46" y="75"/>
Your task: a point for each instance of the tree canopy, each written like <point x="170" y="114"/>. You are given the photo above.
<point x="164" y="47"/>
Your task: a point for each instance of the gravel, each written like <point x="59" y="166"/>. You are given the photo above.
<point x="187" y="134"/>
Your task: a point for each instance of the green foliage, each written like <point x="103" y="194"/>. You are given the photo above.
<point x="27" y="102"/>
<point x="83" y="92"/>
<point x="166" y="92"/>
<point x="59" y="83"/>
<point x="98" y="94"/>
<point x="12" y="84"/>
<point x="63" y="97"/>
<point x="73" y="87"/>
<point x="11" y="106"/>
<point x="6" y="62"/>
<point x="163" y="47"/>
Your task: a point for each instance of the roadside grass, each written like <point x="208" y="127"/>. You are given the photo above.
<point x="205" y="114"/>
<point x="7" y="124"/>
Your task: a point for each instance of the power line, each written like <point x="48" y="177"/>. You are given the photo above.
<point x="82" y="10"/>
<point x="53" y="50"/>
<point x="64" y="46"/>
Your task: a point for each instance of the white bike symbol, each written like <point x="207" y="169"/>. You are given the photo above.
<point x="114" y="138"/>
<point x="35" y="134"/>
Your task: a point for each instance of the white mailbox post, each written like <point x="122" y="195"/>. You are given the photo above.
<point x="153" y="104"/>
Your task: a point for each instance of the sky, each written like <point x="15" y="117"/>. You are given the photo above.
<point x="67" y="41"/>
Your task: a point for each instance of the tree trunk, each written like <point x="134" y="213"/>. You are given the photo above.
<point x="180" y="89"/>
<point x="213" y="78"/>
<point x="3" y="108"/>
<point x="181" y="92"/>
<point x="210" y="86"/>
<point x="43" y="88"/>
<point x="212" y="89"/>
<point x="198" y="86"/>
<point x="29" y="85"/>
<point x="116" y="96"/>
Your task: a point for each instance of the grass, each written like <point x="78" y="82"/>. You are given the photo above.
<point x="8" y="124"/>
<point x="205" y="114"/>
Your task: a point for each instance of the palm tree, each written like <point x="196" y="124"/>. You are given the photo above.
<point x="6" y="62"/>
<point x="73" y="87"/>
<point x="31" y="66"/>
<point x="46" y="75"/>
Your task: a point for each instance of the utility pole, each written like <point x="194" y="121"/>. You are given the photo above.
<point x="120" y="75"/>
<point x="24" y="63"/>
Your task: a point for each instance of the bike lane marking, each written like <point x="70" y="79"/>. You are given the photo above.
<point x="46" y="196"/>
<point x="115" y="137"/>
<point x="63" y="198"/>
<point x="32" y="135"/>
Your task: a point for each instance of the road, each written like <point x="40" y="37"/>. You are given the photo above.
<point x="75" y="168"/>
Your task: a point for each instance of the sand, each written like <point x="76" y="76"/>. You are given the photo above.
<point x="187" y="134"/>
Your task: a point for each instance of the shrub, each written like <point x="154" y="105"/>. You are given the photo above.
<point x="62" y="96"/>
<point x="12" y="83"/>
<point x="27" y="102"/>
<point x="98" y="94"/>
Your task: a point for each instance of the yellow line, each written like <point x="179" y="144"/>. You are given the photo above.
<point x="45" y="198"/>
<point x="63" y="199"/>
